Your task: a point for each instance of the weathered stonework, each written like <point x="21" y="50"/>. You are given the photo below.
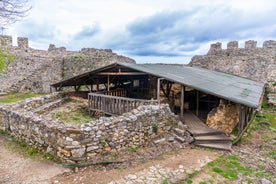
<point x="256" y="63"/>
<point x="78" y="144"/>
<point x="225" y="117"/>
<point x="34" y="70"/>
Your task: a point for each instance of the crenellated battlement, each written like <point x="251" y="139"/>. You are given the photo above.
<point x="23" y="44"/>
<point x="234" y="45"/>
<point x="33" y="70"/>
<point x="249" y="61"/>
<point x="5" y="41"/>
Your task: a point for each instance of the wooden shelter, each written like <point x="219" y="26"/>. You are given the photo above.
<point x="120" y="87"/>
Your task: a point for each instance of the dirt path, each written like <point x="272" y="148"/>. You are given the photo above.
<point x="188" y="159"/>
<point x="16" y="169"/>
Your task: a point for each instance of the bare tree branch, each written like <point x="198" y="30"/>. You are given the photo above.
<point x="13" y="10"/>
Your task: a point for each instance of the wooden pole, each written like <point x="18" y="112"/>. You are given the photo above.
<point x="197" y="102"/>
<point x="241" y="119"/>
<point x="97" y="85"/>
<point x="158" y="90"/>
<point x="182" y="100"/>
<point x="108" y="84"/>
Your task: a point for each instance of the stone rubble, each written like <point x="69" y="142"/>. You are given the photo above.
<point x="159" y="174"/>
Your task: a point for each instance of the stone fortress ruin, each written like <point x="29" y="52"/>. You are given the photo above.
<point x="34" y="70"/>
<point x="256" y="63"/>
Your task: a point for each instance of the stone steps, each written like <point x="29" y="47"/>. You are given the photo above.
<point x="24" y="78"/>
<point x="221" y="146"/>
<point x="212" y="138"/>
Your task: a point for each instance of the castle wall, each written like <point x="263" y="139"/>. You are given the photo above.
<point x="34" y="70"/>
<point x="256" y="63"/>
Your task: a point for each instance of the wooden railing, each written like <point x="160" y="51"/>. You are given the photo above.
<point x="114" y="105"/>
<point x="116" y="92"/>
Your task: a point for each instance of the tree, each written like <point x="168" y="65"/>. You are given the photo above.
<point x="12" y="10"/>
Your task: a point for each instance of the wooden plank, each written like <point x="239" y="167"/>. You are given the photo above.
<point x="114" y="104"/>
<point x="121" y="73"/>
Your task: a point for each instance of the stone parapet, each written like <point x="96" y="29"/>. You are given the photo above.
<point x="214" y="48"/>
<point x="232" y="45"/>
<point x="23" y="43"/>
<point x="5" y="41"/>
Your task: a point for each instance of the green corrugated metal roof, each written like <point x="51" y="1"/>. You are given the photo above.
<point x="227" y="86"/>
<point x="230" y="87"/>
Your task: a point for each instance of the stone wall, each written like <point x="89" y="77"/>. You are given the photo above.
<point x="225" y="117"/>
<point x="256" y="63"/>
<point x="78" y="144"/>
<point x="34" y="70"/>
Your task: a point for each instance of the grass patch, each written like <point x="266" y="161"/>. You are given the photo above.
<point x="23" y="149"/>
<point x="5" y="59"/>
<point x="132" y="149"/>
<point x="272" y="154"/>
<point x="228" y="167"/>
<point x="16" y="97"/>
<point x="73" y="113"/>
<point x="165" y="181"/>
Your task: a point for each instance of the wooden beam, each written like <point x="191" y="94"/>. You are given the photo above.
<point x="241" y="119"/>
<point x="197" y="102"/>
<point x="182" y="101"/>
<point x="158" y="90"/>
<point x="108" y="83"/>
<point x="121" y="73"/>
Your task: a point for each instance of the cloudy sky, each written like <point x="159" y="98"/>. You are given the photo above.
<point x="149" y="31"/>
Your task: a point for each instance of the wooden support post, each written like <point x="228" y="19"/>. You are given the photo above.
<point x="197" y="103"/>
<point x="182" y="100"/>
<point x="158" y="90"/>
<point x="108" y="84"/>
<point x="241" y="119"/>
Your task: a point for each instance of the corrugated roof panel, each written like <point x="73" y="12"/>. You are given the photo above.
<point x="230" y="87"/>
<point x="227" y="86"/>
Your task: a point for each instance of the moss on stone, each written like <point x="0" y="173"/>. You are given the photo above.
<point x="5" y="59"/>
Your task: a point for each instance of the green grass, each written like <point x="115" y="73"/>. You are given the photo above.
<point x="228" y="167"/>
<point x="132" y="149"/>
<point x="5" y="59"/>
<point x="23" y="149"/>
<point x="16" y="97"/>
<point x="272" y="154"/>
<point x="165" y="181"/>
<point x="73" y="115"/>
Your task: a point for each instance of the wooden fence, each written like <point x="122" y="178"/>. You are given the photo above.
<point x="116" y="92"/>
<point x="114" y="105"/>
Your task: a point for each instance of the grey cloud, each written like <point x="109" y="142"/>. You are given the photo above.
<point x="174" y="33"/>
<point x="87" y="32"/>
<point x="37" y="30"/>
